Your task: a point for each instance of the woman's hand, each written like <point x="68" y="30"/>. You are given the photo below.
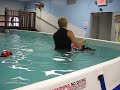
<point x="84" y="40"/>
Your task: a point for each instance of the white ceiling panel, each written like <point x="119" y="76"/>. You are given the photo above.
<point x="23" y="0"/>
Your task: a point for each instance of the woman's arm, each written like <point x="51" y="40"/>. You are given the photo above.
<point x="74" y="40"/>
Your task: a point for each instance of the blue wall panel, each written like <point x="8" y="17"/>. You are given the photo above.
<point x="11" y="4"/>
<point x="78" y="13"/>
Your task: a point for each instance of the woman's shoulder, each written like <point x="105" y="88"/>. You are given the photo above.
<point x="70" y="31"/>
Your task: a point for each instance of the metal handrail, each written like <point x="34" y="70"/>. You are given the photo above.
<point x="47" y="22"/>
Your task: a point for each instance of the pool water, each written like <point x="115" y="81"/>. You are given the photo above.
<point x="34" y="59"/>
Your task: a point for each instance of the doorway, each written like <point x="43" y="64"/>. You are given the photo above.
<point x="101" y="24"/>
<point x="18" y="19"/>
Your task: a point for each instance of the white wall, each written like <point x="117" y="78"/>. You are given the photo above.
<point x="2" y="11"/>
<point x="51" y="19"/>
<point x="42" y="26"/>
<point x="113" y="26"/>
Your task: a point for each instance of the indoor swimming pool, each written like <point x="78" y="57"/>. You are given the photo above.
<point x="34" y="58"/>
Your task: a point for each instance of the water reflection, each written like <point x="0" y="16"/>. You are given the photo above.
<point x="10" y="61"/>
<point x="63" y="56"/>
<point x="57" y="72"/>
<point x="19" y="78"/>
<point x="23" y="68"/>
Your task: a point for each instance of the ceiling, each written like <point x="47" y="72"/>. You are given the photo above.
<point x="23" y="0"/>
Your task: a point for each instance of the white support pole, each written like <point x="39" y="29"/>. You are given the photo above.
<point x="117" y="28"/>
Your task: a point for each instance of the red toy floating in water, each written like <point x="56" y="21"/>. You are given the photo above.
<point x="6" y="53"/>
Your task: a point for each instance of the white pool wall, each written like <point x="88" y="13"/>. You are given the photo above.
<point x="89" y="75"/>
<point x="103" y="43"/>
<point x="109" y="69"/>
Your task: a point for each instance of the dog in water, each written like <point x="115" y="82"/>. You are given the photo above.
<point x="84" y="48"/>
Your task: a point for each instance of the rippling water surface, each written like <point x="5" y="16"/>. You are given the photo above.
<point x="34" y="59"/>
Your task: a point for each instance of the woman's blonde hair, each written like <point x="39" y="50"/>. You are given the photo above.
<point x="62" y="22"/>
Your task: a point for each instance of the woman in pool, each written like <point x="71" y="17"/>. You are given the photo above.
<point x="63" y="38"/>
